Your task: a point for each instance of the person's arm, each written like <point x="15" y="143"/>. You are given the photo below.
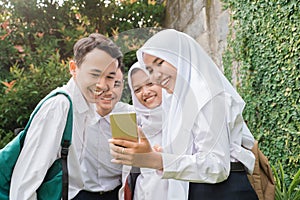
<point x="41" y="148"/>
<point x="210" y="162"/>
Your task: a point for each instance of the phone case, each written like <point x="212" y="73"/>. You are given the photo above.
<point x="124" y="126"/>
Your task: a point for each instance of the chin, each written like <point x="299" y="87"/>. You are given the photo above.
<point x="95" y="99"/>
<point x="90" y="99"/>
<point x="169" y="91"/>
<point x="151" y="106"/>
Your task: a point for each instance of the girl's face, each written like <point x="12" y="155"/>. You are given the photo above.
<point x="147" y="93"/>
<point x="161" y="72"/>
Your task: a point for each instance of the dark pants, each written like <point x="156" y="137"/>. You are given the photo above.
<point x="86" y="195"/>
<point x="236" y="187"/>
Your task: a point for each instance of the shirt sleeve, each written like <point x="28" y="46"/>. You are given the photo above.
<point x="241" y="139"/>
<point x="210" y="160"/>
<point x="41" y="148"/>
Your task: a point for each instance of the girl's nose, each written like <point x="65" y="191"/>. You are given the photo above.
<point x="156" y="76"/>
<point x="145" y="90"/>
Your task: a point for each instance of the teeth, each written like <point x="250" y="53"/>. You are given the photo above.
<point x="164" y="82"/>
<point x="149" y="98"/>
<point x="107" y="99"/>
<point x="98" y="93"/>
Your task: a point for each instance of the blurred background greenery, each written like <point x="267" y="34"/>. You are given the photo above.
<point x="37" y="39"/>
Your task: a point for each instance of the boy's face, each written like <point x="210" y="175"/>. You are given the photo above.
<point x="109" y="99"/>
<point x="96" y="75"/>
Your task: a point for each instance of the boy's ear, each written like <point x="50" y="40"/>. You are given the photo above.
<point x="72" y="68"/>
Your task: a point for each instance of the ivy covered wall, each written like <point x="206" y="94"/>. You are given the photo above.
<point x="264" y="45"/>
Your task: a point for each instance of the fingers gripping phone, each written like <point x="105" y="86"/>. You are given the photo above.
<point x="124" y="126"/>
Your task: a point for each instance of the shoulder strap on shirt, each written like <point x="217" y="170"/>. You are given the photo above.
<point x="65" y="144"/>
<point x="66" y="138"/>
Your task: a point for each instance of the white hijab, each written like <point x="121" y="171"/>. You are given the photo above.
<point x="149" y="119"/>
<point x="198" y="81"/>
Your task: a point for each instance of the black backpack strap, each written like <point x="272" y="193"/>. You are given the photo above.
<point x="65" y="171"/>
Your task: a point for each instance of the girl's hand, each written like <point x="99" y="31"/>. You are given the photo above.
<point x="139" y="154"/>
<point x="157" y="148"/>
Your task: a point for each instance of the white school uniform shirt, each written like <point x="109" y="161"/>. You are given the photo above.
<point x="211" y="166"/>
<point x="201" y="118"/>
<point x="98" y="172"/>
<point x="149" y="184"/>
<point x="42" y="144"/>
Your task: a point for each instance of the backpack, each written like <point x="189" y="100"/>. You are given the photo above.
<point x="55" y="183"/>
<point x="262" y="179"/>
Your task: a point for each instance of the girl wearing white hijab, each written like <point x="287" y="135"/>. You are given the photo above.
<point x="146" y="99"/>
<point x="203" y="130"/>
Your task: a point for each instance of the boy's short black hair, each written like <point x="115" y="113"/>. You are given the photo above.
<point x="96" y="40"/>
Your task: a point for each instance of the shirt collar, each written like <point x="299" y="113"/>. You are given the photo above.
<point x="119" y="107"/>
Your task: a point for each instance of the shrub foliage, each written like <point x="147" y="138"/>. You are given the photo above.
<point x="36" y="44"/>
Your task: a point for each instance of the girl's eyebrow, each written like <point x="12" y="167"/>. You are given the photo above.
<point x="153" y="62"/>
<point x="156" y="59"/>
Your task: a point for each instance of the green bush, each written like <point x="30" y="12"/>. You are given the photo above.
<point x="5" y="137"/>
<point x="17" y="103"/>
<point x="265" y="42"/>
<point x="36" y="43"/>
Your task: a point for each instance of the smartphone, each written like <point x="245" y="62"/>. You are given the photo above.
<point x="124" y="126"/>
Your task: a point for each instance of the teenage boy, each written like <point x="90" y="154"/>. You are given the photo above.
<point x="96" y="60"/>
<point x="102" y="178"/>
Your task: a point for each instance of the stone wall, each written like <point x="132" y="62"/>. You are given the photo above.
<point x="204" y="20"/>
